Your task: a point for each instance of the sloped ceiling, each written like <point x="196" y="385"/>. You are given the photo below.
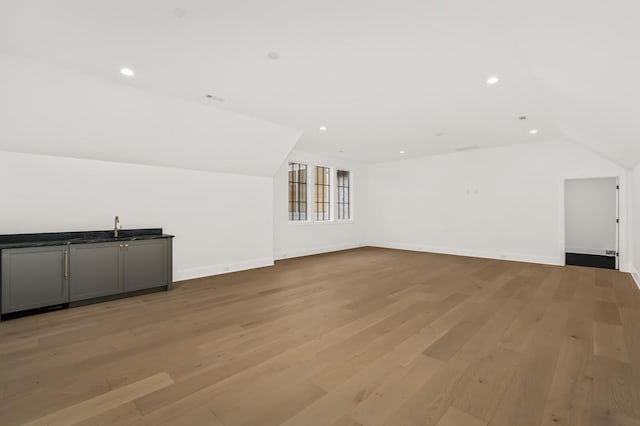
<point x="383" y="76"/>
<point x="584" y="56"/>
<point x="51" y="111"/>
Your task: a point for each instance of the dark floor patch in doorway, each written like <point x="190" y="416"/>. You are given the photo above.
<point x="592" y="260"/>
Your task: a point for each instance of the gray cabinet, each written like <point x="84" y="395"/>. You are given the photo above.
<point x="95" y="270"/>
<point x="34" y="277"/>
<point x="145" y="264"/>
<point x="105" y="269"/>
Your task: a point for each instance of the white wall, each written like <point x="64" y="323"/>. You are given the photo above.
<point x="293" y="239"/>
<point x="635" y="222"/>
<point x="222" y="222"/>
<point x="590" y="215"/>
<point x="502" y="202"/>
<point x="54" y="111"/>
<point x="497" y="203"/>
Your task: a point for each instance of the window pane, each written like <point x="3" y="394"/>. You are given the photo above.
<point x="297" y="191"/>
<point x="343" y="202"/>
<point x="322" y="193"/>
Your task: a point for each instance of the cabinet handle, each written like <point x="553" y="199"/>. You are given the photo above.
<point x="66" y="264"/>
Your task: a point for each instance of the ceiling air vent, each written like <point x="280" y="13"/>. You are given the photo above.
<point x="467" y="148"/>
<point x="214" y="97"/>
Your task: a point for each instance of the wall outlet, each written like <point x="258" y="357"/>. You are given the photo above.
<point x="610" y="252"/>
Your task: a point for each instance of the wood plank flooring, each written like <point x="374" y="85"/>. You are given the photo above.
<point x="360" y="337"/>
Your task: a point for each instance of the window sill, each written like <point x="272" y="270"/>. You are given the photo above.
<point x="319" y="222"/>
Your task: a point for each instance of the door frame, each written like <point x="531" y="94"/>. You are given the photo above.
<point x="621" y="184"/>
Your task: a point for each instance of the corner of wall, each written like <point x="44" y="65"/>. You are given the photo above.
<point x="634" y="230"/>
<point x="316" y="250"/>
<point x="636" y="277"/>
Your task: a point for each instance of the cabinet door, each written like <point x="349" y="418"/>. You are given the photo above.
<point x="145" y="264"/>
<point x="95" y="270"/>
<point x="34" y="277"/>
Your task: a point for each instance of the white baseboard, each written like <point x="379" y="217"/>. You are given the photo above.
<point x="287" y="254"/>
<point x="222" y="268"/>
<point x="634" y="273"/>
<point x="225" y="268"/>
<point x="518" y="257"/>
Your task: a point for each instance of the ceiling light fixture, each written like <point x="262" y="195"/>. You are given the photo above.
<point x="127" y="71"/>
<point x="533" y="131"/>
<point x="401" y="152"/>
<point x="493" y="79"/>
<point x="323" y="128"/>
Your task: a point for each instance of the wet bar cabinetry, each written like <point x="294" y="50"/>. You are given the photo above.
<point x="34" y="277"/>
<point x="89" y="268"/>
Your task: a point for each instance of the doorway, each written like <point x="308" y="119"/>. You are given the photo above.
<point x="591" y="222"/>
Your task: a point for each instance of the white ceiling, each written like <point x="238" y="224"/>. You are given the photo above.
<point x="383" y="76"/>
<point x="53" y="111"/>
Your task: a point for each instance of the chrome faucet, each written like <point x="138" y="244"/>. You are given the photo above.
<point x="116" y="227"/>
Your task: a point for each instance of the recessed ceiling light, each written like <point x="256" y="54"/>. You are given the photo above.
<point x="127" y="71"/>
<point x="323" y="128"/>
<point x="401" y="152"/>
<point x="533" y="131"/>
<point x="493" y="79"/>
<point x="274" y="56"/>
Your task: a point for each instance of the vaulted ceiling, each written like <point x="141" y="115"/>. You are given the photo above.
<point x="382" y="76"/>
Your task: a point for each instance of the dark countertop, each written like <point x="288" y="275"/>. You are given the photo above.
<point x="62" y="238"/>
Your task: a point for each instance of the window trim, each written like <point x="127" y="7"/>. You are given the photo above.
<point x="300" y="201"/>
<point x="333" y="188"/>
<point x="348" y="203"/>
<point x="327" y="172"/>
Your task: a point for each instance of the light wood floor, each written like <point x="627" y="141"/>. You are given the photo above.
<point x="367" y="336"/>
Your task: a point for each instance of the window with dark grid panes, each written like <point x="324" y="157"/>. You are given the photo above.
<point x="323" y="193"/>
<point x="344" y="195"/>
<point x="297" y="191"/>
